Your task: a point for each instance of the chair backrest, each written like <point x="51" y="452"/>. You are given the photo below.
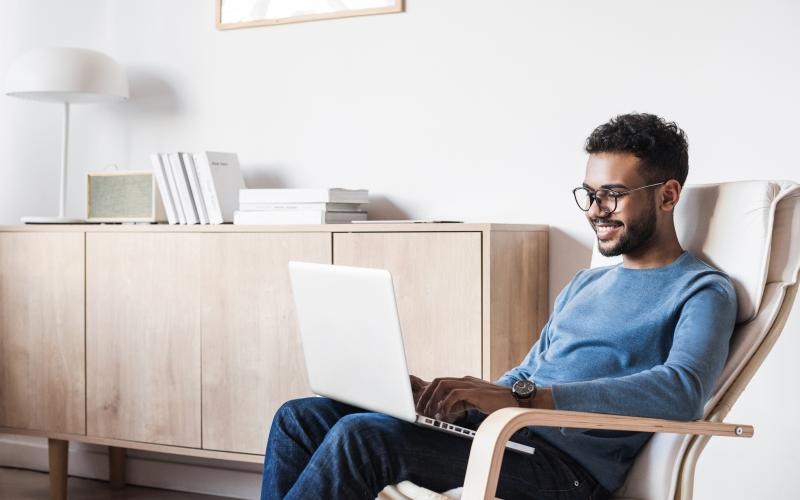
<point x="751" y="231"/>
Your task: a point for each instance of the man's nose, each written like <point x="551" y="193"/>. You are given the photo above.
<point x="597" y="212"/>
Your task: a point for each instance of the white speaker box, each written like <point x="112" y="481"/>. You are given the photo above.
<point x="128" y="196"/>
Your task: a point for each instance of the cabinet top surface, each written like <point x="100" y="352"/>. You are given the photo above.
<point x="316" y="228"/>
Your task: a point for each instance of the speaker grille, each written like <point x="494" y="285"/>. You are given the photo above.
<point x="121" y="196"/>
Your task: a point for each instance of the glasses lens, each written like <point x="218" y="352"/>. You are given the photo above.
<point x="583" y="198"/>
<point x="601" y="197"/>
<point x="605" y="201"/>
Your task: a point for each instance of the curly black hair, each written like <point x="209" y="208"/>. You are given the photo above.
<point x="661" y="146"/>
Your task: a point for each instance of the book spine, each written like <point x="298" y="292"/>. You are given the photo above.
<point x="228" y="179"/>
<point x="194" y="185"/>
<point x="206" y="181"/>
<point x="173" y="187"/>
<point x="163" y="188"/>
<point x="296" y="217"/>
<point x="329" y="207"/>
<point x="344" y="217"/>
<point x="183" y="188"/>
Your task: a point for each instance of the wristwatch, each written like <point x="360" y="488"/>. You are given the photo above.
<point x="524" y="391"/>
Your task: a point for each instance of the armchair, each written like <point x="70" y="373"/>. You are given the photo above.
<point x="750" y="230"/>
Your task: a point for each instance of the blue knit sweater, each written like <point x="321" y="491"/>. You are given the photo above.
<point x="642" y="342"/>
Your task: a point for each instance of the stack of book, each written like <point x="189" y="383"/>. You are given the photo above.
<point x="301" y="206"/>
<point x="198" y="188"/>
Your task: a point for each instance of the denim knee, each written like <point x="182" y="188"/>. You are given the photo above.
<point x="299" y="406"/>
<point x="363" y="427"/>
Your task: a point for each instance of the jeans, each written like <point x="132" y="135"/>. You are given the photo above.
<point x="322" y="449"/>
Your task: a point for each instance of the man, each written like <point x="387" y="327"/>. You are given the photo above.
<point x="647" y="337"/>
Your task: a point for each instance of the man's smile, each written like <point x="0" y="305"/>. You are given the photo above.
<point x="606" y="229"/>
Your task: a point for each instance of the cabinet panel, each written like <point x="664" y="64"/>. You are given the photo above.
<point x="518" y="301"/>
<point x="42" y="379"/>
<point x="252" y="358"/>
<point x="437" y="280"/>
<point x="187" y="330"/>
<point x="143" y="327"/>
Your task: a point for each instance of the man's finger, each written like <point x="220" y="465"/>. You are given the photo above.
<point x="454" y="405"/>
<point x="428" y="392"/>
<point x="417" y="383"/>
<point x="442" y="390"/>
<point x="438" y="389"/>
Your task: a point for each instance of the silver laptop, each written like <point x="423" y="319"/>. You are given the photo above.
<point x="352" y="342"/>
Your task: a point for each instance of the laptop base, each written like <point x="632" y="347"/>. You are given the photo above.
<point x="467" y="433"/>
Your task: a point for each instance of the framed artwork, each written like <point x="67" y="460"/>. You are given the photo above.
<point x="247" y="13"/>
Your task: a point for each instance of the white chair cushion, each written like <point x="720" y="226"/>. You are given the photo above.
<point x="406" y="490"/>
<point x="709" y="217"/>
<point x="784" y="264"/>
<point x="655" y="472"/>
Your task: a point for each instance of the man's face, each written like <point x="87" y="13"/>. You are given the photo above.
<point x="633" y="224"/>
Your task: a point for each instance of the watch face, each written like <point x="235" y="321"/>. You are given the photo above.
<point x="523" y="388"/>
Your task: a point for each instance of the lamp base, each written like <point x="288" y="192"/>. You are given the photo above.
<point x="51" y="220"/>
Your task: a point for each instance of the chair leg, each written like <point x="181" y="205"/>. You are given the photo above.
<point x="58" y="454"/>
<point x="116" y="467"/>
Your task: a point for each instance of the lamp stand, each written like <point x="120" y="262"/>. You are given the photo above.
<point x="61" y="219"/>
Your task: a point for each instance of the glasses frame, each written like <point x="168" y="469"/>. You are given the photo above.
<point x="615" y="195"/>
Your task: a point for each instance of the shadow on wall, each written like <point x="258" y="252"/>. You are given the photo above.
<point x="150" y="97"/>
<point x="263" y="176"/>
<point x="567" y="256"/>
<point x="381" y="208"/>
<point x="150" y="93"/>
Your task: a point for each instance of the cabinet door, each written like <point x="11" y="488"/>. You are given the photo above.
<point x="437" y="280"/>
<point x="41" y="332"/>
<point x="188" y="328"/>
<point x="144" y="299"/>
<point x="252" y="358"/>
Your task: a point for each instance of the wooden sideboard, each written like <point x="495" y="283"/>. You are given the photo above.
<point x="182" y="339"/>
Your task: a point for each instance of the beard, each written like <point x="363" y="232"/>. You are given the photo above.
<point x="637" y="233"/>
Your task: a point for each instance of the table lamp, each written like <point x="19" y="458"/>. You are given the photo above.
<point x="68" y="76"/>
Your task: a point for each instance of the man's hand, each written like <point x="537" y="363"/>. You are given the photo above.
<point x="449" y="398"/>
<point x="417" y="386"/>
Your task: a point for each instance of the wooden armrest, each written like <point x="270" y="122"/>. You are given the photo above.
<point x="486" y="454"/>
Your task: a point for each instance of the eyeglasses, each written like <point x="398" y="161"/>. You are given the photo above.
<point x="606" y="199"/>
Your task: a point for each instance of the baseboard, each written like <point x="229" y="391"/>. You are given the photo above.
<point x="158" y="470"/>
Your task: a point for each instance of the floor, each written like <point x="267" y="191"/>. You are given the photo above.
<point x="19" y="484"/>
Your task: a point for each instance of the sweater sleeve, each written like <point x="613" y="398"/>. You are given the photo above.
<point x="678" y="388"/>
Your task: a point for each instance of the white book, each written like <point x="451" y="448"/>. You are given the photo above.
<point x="328" y="207"/>
<point x="220" y="180"/>
<point x="194" y="187"/>
<point x="183" y="188"/>
<point x="173" y="187"/>
<point x="297" y="217"/>
<point x="163" y="188"/>
<point x="330" y="195"/>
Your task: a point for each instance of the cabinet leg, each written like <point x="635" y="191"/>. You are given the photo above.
<point x="116" y="466"/>
<point x="58" y="454"/>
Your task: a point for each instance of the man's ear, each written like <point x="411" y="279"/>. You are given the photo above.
<point x="670" y="194"/>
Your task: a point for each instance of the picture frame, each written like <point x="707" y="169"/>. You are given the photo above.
<point x="233" y="14"/>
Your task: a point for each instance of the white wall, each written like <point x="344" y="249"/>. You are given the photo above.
<point x="470" y="110"/>
<point x="30" y="131"/>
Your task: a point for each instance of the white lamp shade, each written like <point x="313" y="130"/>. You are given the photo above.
<point x="66" y="75"/>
